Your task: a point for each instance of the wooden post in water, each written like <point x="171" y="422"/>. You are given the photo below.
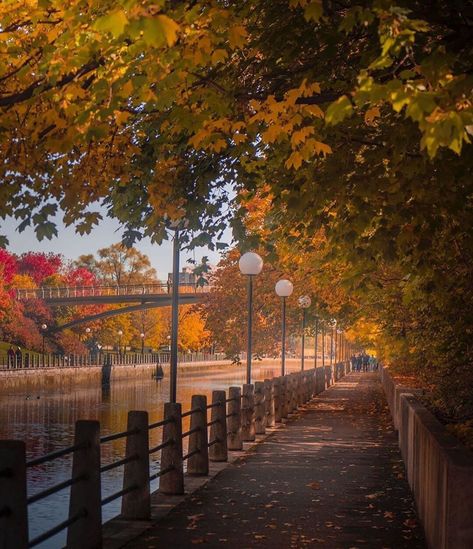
<point x="218" y="428"/>
<point x="13" y="507"/>
<point x="234" y="440"/>
<point x="172" y="482"/>
<point x="248" y="414"/>
<point x="85" y="498"/>
<point x="269" y="409"/>
<point x="136" y="505"/>
<point x="198" y="462"/>
<point x="259" y="408"/>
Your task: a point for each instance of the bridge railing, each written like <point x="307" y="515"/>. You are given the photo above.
<point x="233" y="420"/>
<point x="37" y="361"/>
<point x="107" y="290"/>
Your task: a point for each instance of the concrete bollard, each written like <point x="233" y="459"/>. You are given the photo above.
<point x="234" y="440"/>
<point x="248" y="414"/>
<point x="259" y="408"/>
<point x="13" y="507"/>
<point x="136" y="505"/>
<point x="307" y="394"/>
<point x="283" y="396"/>
<point x="198" y="462"/>
<point x="293" y="392"/>
<point x="277" y="383"/>
<point x="269" y="408"/>
<point x="85" y="498"/>
<point x="300" y="389"/>
<point x="218" y="428"/>
<point x="172" y="482"/>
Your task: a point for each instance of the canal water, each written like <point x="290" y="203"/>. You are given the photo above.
<point x="45" y="420"/>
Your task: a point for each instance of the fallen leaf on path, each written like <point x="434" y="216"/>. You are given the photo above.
<point x="313" y="485"/>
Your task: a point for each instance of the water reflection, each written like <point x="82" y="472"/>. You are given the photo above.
<point x="45" y="421"/>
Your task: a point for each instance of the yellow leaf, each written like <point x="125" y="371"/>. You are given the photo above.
<point x="236" y="36"/>
<point x="371" y="114"/>
<point x="312" y="146"/>
<point x="272" y="133"/>
<point x="314" y="110"/>
<point x="121" y="117"/>
<point x="239" y="138"/>
<point x="170" y="29"/>
<point x="219" y="145"/>
<point x="218" y="56"/>
<point x="301" y="135"/>
<point x="294" y="160"/>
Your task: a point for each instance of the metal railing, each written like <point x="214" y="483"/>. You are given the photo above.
<point x="234" y="419"/>
<point x="50" y="360"/>
<point x="108" y="290"/>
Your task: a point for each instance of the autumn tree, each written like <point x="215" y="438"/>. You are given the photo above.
<point x="119" y="264"/>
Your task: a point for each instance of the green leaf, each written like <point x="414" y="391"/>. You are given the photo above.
<point x="313" y="11"/>
<point x="114" y="23"/>
<point x="338" y="110"/>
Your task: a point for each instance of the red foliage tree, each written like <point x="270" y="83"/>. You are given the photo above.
<point x="69" y="343"/>
<point x="80" y="277"/>
<point x="22" y="330"/>
<point x="39" y="265"/>
<point x="38" y="311"/>
<point x="8" y="265"/>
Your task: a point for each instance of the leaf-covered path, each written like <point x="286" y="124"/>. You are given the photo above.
<point x="332" y="477"/>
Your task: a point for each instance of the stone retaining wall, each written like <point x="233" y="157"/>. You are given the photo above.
<point x="439" y="469"/>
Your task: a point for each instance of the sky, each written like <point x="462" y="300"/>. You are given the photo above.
<point x="72" y="245"/>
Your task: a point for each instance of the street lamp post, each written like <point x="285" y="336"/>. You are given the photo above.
<point x="120" y="333"/>
<point x="176" y="227"/>
<point x="250" y="264"/>
<point x="142" y="335"/>
<point x="284" y="289"/>
<point x="316" y="341"/>
<point x="304" y="303"/>
<point x="44" y="327"/>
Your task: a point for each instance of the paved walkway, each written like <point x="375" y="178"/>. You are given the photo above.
<point x="332" y="477"/>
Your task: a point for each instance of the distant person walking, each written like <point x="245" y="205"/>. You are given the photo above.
<point x="11" y="357"/>
<point x="19" y="357"/>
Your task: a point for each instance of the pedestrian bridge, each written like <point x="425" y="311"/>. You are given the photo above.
<point x="123" y="293"/>
<point x="143" y="296"/>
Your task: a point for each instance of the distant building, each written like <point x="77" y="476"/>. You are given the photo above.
<point x="186" y="276"/>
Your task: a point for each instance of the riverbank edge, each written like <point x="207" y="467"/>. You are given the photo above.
<point x="29" y="379"/>
<point x="117" y="532"/>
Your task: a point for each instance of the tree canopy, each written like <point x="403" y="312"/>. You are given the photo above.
<point x="156" y="107"/>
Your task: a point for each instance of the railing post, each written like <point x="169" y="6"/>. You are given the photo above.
<point x="136" y="505"/>
<point x="198" y="463"/>
<point x="292" y="401"/>
<point x="259" y="408"/>
<point x="218" y="428"/>
<point x="268" y="403"/>
<point x="277" y="388"/>
<point x="248" y="414"/>
<point x="172" y="483"/>
<point x="13" y="507"/>
<point x="284" y="396"/>
<point x="234" y="441"/>
<point x="302" y="388"/>
<point x="85" y="498"/>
